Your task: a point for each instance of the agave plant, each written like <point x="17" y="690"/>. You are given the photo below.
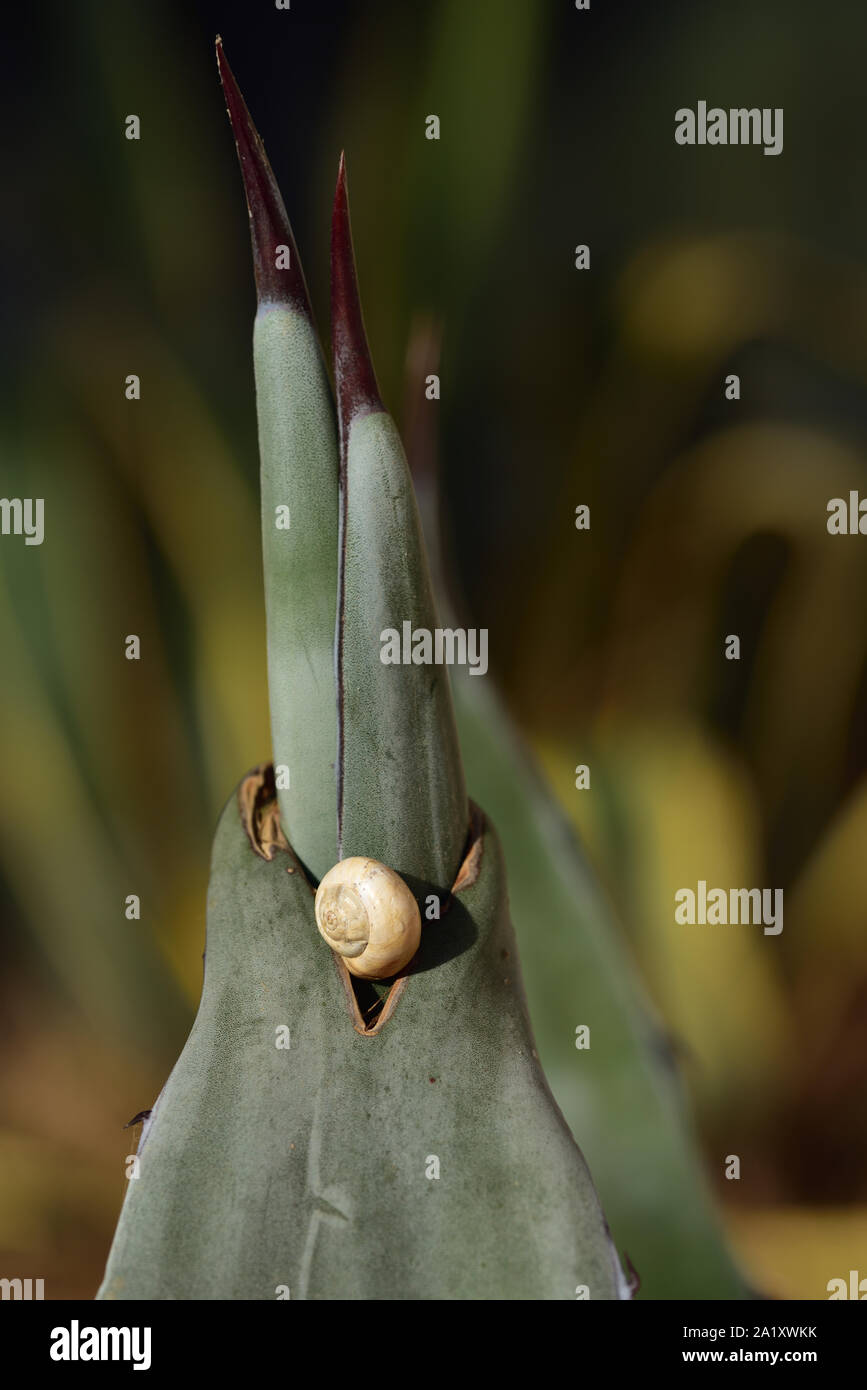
<point x="324" y="1134"/>
<point x="624" y="1094"/>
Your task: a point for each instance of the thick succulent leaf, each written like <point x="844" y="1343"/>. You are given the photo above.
<point x="401" y="792"/>
<point x="305" y="1167"/>
<point x="299" y="464"/>
<point x="319" y="1134"/>
<point x="622" y="1094"/>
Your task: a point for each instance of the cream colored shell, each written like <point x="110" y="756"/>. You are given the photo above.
<point x="365" y="911"/>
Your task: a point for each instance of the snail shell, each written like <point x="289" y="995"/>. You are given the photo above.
<point x="367" y="914"/>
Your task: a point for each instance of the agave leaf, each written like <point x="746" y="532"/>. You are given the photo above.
<point x="313" y="1135"/>
<point x="401" y="792"/>
<point x="298" y="450"/>
<point x="622" y="1095"/>
<point x="266" y="1166"/>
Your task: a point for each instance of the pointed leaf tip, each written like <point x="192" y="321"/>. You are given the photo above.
<point x="354" y="377"/>
<point x="276" y="263"/>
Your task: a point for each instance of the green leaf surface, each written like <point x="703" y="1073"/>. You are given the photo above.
<point x="622" y="1095"/>
<point x="401" y="792"/>
<point x="306" y="1166"/>
<point x="298" y="449"/>
<point x="299" y="466"/>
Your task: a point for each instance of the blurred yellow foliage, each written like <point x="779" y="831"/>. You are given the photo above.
<point x="792" y="1252"/>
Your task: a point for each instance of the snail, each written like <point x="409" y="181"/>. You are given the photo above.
<point x="367" y="914"/>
